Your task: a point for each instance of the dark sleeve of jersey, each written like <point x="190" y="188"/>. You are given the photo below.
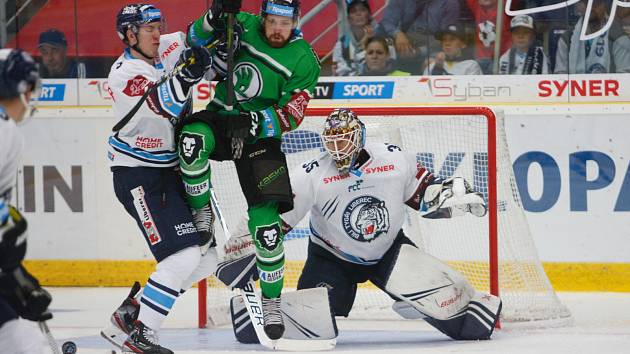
<point x="425" y="179"/>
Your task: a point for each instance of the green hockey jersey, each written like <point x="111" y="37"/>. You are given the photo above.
<point x="276" y="83"/>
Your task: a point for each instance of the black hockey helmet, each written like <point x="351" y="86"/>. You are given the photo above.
<point x="19" y="73"/>
<point x="286" y="8"/>
<point x="135" y="15"/>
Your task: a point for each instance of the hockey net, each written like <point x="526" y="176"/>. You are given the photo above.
<point x="495" y="253"/>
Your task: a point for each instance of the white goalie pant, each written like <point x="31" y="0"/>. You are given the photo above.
<point x="22" y="337"/>
<point x="428" y="285"/>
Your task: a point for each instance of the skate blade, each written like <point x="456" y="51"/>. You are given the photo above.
<point x="115" y="336"/>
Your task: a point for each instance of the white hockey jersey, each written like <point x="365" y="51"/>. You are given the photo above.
<point x="11" y="146"/>
<point x="148" y="138"/>
<point x="357" y="217"/>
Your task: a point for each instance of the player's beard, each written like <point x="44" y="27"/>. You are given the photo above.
<point x="276" y="40"/>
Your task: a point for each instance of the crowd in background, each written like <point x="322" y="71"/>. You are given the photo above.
<point x="458" y="37"/>
<point x="439" y="37"/>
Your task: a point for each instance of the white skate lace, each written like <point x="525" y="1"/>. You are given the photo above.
<point x="271" y="311"/>
<point x="150" y="335"/>
<point x="203" y="218"/>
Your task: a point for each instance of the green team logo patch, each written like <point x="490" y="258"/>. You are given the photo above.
<point x="190" y="145"/>
<point x="268" y="236"/>
<point x="247" y="81"/>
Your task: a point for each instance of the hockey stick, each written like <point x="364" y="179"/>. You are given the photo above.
<point x="121" y="123"/>
<point x="251" y="299"/>
<point x="254" y="307"/>
<point x="49" y="337"/>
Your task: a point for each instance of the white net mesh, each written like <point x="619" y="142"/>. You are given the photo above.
<point x="446" y="145"/>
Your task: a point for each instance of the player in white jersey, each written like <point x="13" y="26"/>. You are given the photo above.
<point x="143" y="159"/>
<point x="356" y="194"/>
<point x="20" y="293"/>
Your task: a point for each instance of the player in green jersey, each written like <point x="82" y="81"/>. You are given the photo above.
<point x="274" y="76"/>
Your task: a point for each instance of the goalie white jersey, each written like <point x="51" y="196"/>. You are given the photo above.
<point x="357" y="217"/>
<point x="148" y="138"/>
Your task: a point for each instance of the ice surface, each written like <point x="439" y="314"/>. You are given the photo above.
<point x="601" y="325"/>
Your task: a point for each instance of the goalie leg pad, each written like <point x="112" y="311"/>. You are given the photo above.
<point x="481" y="317"/>
<point x="236" y="273"/>
<point x="327" y="271"/>
<point x="264" y="176"/>
<point x="427" y="284"/>
<point x="477" y="322"/>
<point x="306" y="314"/>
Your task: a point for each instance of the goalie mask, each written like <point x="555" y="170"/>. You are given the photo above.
<point x="343" y="138"/>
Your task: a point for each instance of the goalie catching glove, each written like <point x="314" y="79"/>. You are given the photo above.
<point x="452" y="197"/>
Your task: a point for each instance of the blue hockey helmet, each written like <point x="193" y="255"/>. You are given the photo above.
<point x="135" y="15"/>
<point x="19" y="73"/>
<point x="286" y="8"/>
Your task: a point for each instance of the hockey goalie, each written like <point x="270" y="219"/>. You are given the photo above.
<point x="356" y="233"/>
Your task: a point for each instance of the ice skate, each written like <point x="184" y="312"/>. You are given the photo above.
<point x="143" y="339"/>
<point x="274" y="325"/>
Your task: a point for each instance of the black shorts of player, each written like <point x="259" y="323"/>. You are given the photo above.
<point x="154" y="197"/>
<point x="323" y="269"/>
<point x="262" y="169"/>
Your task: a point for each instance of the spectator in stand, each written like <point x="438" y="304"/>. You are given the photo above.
<point x="525" y="57"/>
<point x="349" y="53"/>
<point x="452" y="59"/>
<point x="485" y="15"/>
<point x="413" y="24"/>
<point x="621" y="46"/>
<point x="378" y="60"/>
<point x="593" y="56"/>
<point x="53" y="48"/>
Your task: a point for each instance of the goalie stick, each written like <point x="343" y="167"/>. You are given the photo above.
<point x="254" y="307"/>
<point x="121" y="123"/>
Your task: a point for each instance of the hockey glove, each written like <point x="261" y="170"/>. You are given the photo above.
<point x="231" y="6"/>
<point x="239" y="126"/>
<point x="214" y="17"/>
<point x="453" y="197"/>
<point x="197" y="61"/>
<point x="22" y="291"/>
<point x="219" y="62"/>
<point x="12" y="241"/>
